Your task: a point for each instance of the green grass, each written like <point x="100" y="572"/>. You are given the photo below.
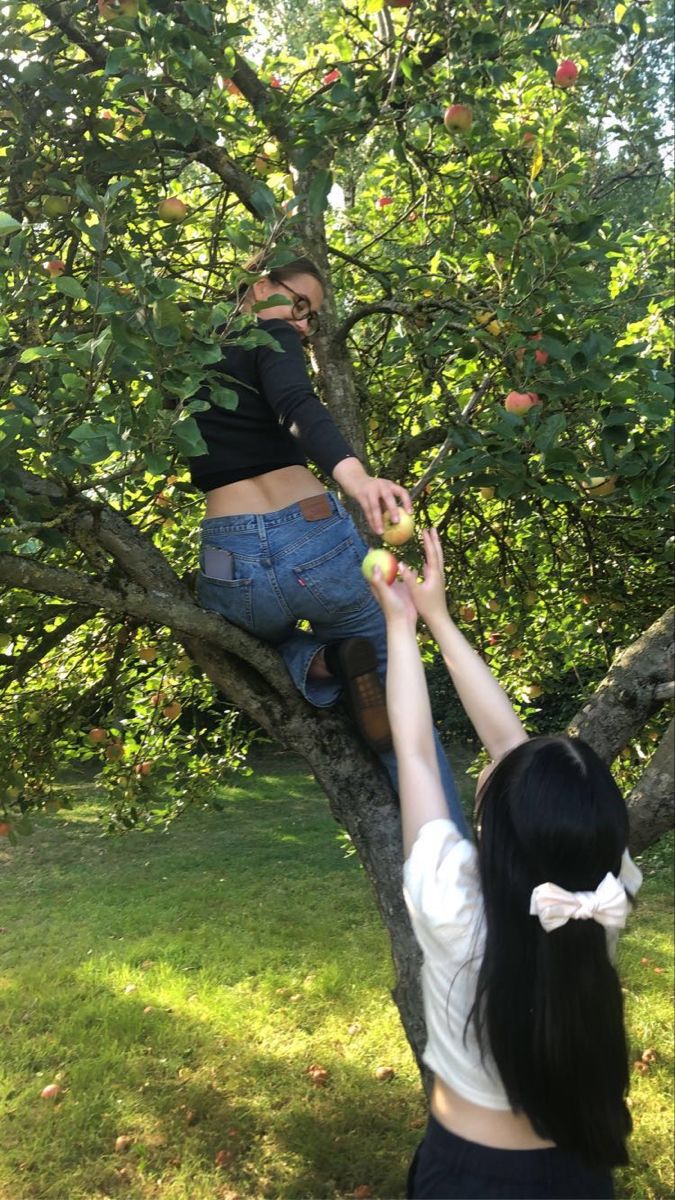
<point x="257" y="946"/>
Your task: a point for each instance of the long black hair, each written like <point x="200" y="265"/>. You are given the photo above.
<point x="549" y="1005"/>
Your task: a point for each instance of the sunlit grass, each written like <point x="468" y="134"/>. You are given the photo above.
<point x="179" y="986"/>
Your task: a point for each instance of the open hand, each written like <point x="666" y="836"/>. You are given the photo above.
<point x="428" y="595"/>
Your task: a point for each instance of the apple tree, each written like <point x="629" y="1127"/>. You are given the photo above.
<point x="486" y="192"/>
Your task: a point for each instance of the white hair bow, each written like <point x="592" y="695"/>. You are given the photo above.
<point x="608" y="904"/>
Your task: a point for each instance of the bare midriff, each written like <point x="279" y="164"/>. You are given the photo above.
<point x="496" y="1127"/>
<point x="263" y="493"/>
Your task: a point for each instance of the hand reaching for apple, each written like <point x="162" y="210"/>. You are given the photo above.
<point x="394" y="599"/>
<point x="428" y="595"/>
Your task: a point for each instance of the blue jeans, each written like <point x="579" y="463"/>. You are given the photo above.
<point x="288" y="569"/>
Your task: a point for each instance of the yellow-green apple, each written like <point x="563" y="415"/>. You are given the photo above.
<point x="172" y="210"/>
<point x="493" y="605"/>
<point x="395" y="534"/>
<point x="487" y="493"/>
<point x="600" y="485"/>
<point x="531" y="598"/>
<point x="458" y="117"/>
<point x="172" y="710"/>
<point x="510" y="628"/>
<point x="566" y="73"/>
<point x="56" y="206"/>
<point x="382" y="559"/>
<point x="517" y="652"/>
<point x="55" y="267"/>
<point x="520" y="402"/>
<point x="148" y="653"/>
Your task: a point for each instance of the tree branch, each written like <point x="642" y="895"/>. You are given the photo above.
<point x="626" y="697"/>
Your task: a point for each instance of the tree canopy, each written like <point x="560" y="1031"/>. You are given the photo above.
<point x="487" y="223"/>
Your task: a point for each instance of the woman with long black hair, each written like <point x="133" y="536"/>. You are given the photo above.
<point x="523" y="1005"/>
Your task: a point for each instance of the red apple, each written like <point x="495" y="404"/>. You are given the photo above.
<point x="383" y="201"/>
<point x="566" y="73"/>
<point x="520" y="402"/>
<point x="383" y="559"/>
<point x="172" y="710"/>
<point x="97" y="734"/>
<point x="458" y="116"/>
<point x="332" y="76"/>
<point x="528" y="137"/>
<point x="467" y="613"/>
<point x="5" y="828"/>
<point x="50" y="1092"/>
<point x="397" y="534"/>
<point x="172" y="210"/>
<point x="275" y="81"/>
<point x="143" y="768"/>
<point x="55" y="267"/>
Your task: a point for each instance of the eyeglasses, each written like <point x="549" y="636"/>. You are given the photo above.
<point x="301" y="308"/>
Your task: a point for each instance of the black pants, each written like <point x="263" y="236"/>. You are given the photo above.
<point x="447" y="1167"/>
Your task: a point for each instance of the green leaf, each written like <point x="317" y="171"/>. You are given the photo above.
<point x="8" y="224"/>
<point x="187" y="437"/>
<point x="70" y="287"/>
<point x="318" y="191"/>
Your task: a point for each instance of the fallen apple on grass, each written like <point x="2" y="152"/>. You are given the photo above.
<point x="396" y="533"/>
<point x="382" y="559"/>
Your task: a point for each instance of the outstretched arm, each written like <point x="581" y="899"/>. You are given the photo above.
<point x="485" y="702"/>
<point x="420" y="789"/>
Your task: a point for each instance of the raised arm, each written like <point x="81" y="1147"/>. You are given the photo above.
<point x="485" y="702"/>
<point x="419" y="782"/>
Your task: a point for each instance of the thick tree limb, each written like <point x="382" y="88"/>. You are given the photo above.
<point x="626" y="697"/>
<point x="651" y="804"/>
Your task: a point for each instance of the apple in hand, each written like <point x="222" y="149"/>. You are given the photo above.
<point x="395" y="534"/>
<point x="383" y="559"/>
<point x="566" y="73"/>
<point x="458" y="116"/>
<point x="172" y="210"/>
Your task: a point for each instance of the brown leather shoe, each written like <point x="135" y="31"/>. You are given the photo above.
<point x="354" y="662"/>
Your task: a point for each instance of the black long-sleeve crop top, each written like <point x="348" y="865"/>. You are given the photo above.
<point x="278" y="422"/>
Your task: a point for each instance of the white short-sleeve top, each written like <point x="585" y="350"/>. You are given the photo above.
<point x="441" y="884"/>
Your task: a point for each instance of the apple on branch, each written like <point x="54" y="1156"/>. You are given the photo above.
<point x="384" y="560"/>
<point x="458" y="117"/>
<point x="396" y="533"/>
<point x="172" y="209"/>
<point x="521" y="402"/>
<point x="55" y="267"/>
<point x="566" y="73"/>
